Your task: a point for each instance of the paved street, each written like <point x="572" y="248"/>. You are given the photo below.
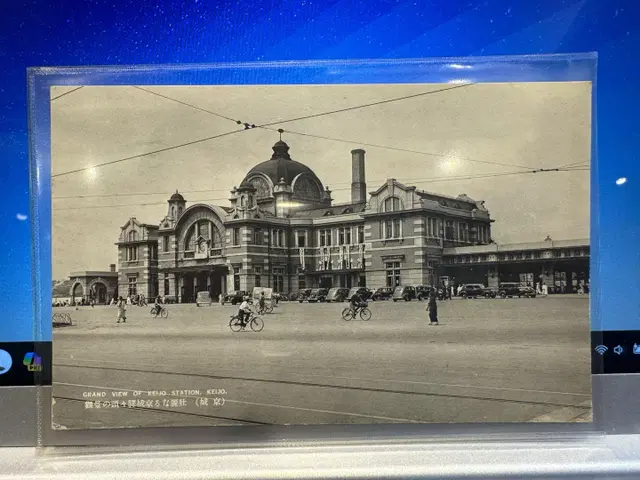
<point x="489" y="361"/>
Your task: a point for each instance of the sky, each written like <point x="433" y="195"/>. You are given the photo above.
<point x="458" y="139"/>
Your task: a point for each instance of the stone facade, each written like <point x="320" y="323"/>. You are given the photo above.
<point x="282" y="230"/>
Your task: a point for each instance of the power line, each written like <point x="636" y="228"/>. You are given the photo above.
<point x="406" y="150"/>
<point x="331" y="112"/>
<point x="415" y="182"/>
<point x="266" y="126"/>
<point x="166" y="149"/>
<point x="133" y="204"/>
<point x="190" y="105"/>
<point x="67" y="93"/>
<point x="247" y="126"/>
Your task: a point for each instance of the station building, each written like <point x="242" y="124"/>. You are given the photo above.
<point x="281" y="229"/>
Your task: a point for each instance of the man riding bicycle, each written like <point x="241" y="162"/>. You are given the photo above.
<point x="244" y="312"/>
<point x="262" y="302"/>
<point x="156" y="305"/>
<point x="357" y="303"/>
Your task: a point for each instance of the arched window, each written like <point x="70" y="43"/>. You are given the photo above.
<point x="133" y="236"/>
<point x="391" y="204"/>
<point x="205" y="229"/>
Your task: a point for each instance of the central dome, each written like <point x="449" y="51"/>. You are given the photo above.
<point x="281" y="166"/>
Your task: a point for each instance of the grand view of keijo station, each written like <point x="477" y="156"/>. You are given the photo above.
<point x="282" y="230"/>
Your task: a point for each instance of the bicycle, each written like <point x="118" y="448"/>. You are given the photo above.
<point x="254" y="322"/>
<point x="349" y="314"/>
<point x="266" y="309"/>
<point x="159" y="311"/>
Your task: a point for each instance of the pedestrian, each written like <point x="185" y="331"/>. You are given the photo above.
<point x="432" y="308"/>
<point x="122" y="310"/>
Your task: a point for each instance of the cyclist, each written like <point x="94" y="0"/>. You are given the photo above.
<point x="357" y="303"/>
<point x="262" y="302"/>
<point x="244" y="311"/>
<point x="156" y="305"/>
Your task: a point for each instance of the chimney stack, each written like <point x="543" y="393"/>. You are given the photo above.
<point x="358" y="185"/>
<point x="112" y="267"/>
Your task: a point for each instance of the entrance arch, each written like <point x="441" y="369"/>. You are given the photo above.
<point x="98" y="290"/>
<point x="77" y="292"/>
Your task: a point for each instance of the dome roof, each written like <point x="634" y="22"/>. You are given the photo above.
<point x="281" y="166"/>
<point x="176" y="197"/>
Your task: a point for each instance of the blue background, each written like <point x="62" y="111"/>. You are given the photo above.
<point x="43" y="33"/>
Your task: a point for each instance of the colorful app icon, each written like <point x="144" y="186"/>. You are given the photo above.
<point x="33" y="362"/>
<point x="5" y="362"/>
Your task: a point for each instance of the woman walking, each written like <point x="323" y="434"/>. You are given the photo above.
<point x="432" y="307"/>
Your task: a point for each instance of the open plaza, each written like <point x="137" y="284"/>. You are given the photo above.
<point x="490" y="360"/>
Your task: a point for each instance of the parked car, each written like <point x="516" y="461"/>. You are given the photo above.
<point x="234" y="297"/>
<point x="514" y="289"/>
<point x="528" y="292"/>
<point x="382" y="293"/>
<point x="318" y="295"/>
<point x="423" y="292"/>
<point x="337" y="294"/>
<point x="304" y="294"/>
<point x="407" y="293"/>
<point x="474" y="290"/>
<point x="203" y="298"/>
<point x="364" y="292"/>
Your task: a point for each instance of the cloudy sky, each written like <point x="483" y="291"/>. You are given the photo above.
<point x="464" y="136"/>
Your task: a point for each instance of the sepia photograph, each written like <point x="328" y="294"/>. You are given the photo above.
<point x="320" y="254"/>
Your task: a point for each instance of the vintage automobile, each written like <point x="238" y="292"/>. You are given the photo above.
<point x="364" y="292"/>
<point x="514" y="289"/>
<point x="318" y="295"/>
<point x="474" y="290"/>
<point x="423" y="292"/>
<point x="406" y="293"/>
<point x="203" y="298"/>
<point x="304" y="294"/>
<point x="382" y="293"/>
<point x="337" y="294"/>
<point x="234" y="297"/>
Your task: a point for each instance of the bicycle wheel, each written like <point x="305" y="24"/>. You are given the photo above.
<point x="365" y="314"/>
<point x="269" y="309"/>
<point x="234" y="324"/>
<point x="153" y="312"/>
<point x="347" y="314"/>
<point x="164" y="313"/>
<point x="257" y="324"/>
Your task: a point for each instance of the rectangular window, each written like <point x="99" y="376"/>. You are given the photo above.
<point x="165" y="243"/>
<point x="132" y="254"/>
<point x="133" y="285"/>
<point x="302" y="282"/>
<point x="166" y="284"/>
<point x="344" y="236"/>
<point x="236" y="279"/>
<point x="236" y="236"/>
<point x="361" y="234"/>
<point x="153" y="254"/>
<point x="301" y="238"/>
<point x="325" y="238"/>
<point x="258" y="273"/>
<point x="393" y="274"/>
<point x="278" y="238"/>
<point x="392" y="229"/>
<point x="258" y="236"/>
<point x="278" y="279"/>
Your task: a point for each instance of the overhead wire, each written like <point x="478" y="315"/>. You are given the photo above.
<point x="246" y="125"/>
<point x="66" y="93"/>
<point x="414" y="182"/>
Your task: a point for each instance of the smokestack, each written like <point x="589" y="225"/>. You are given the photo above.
<point x="358" y="185"/>
<point x="112" y="267"/>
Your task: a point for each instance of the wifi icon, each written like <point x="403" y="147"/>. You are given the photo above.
<point x="601" y="349"/>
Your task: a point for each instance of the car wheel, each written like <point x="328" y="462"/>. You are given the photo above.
<point x="503" y="295"/>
